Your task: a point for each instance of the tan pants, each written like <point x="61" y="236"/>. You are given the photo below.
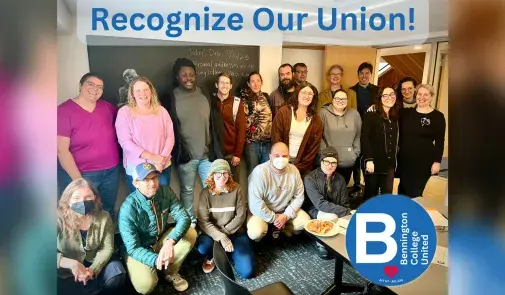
<point x="144" y="278"/>
<point x="257" y="228"/>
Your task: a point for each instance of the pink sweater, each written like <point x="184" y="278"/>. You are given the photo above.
<point x="138" y="133"/>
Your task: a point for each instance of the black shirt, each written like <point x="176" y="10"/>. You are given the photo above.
<point x="391" y="134"/>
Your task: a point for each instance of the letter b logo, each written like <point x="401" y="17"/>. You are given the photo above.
<point x="391" y="240"/>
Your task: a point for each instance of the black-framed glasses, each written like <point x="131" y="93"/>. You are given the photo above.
<point x="340" y="99"/>
<point x="328" y="163"/>
<point x="224" y="173"/>
<point x="391" y="95"/>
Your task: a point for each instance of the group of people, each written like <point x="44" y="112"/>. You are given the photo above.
<point x="300" y="147"/>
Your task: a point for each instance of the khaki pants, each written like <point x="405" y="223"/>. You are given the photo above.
<point x="144" y="278"/>
<point x="257" y="228"/>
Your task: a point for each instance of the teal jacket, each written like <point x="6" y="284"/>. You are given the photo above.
<point x="142" y="221"/>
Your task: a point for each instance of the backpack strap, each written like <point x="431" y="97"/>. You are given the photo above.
<point x="236" y="104"/>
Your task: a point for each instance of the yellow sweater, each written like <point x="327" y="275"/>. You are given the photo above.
<point x="326" y="97"/>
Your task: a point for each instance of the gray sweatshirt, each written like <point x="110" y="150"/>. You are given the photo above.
<point x="271" y="193"/>
<point x="343" y="133"/>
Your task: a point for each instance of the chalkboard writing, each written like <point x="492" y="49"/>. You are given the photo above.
<point x="156" y="62"/>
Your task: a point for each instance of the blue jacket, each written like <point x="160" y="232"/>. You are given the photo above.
<point x="142" y="221"/>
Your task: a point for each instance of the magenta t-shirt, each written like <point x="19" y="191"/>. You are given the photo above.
<point x="93" y="141"/>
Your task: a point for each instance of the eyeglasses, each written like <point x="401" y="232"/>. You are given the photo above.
<point x="219" y="174"/>
<point x="328" y="163"/>
<point x="336" y="75"/>
<point x="152" y="179"/>
<point x="302" y="72"/>
<point x="307" y="93"/>
<point x="340" y="99"/>
<point x="391" y="95"/>
<point x="93" y="85"/>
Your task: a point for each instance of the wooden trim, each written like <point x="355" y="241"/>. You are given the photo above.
<point x="304" y="47"/>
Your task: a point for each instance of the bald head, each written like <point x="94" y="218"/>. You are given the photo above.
<point x="280" y="149"/>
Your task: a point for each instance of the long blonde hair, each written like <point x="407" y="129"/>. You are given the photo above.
<point x="68" y="221"/>
<point x="155" y="102"/>
<point x="211" y="184"/>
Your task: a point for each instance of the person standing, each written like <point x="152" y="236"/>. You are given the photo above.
<point x="258" y="122"/>
<point x="87" y="142"/>
<point x="342" y="130"/>
<point x="285" y="90"/>
<point x="334" y="76"/>
<point x="422" y="138"/>
<point x="365" y="93"/>
<point x="379" y="143"/>
<point x="406" y="90"/>
<point x="145" y="131"/>
<point x="231" y="108"/>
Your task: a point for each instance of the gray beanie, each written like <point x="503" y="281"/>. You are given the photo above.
<point x="219" y="165"/>
<point x="328" y="152"/>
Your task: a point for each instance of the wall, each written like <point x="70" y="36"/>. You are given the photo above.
<point x="349" y="58"/>
<point x="313" y="58"/>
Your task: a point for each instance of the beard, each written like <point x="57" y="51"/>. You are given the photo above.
<point x="286" y="86"/>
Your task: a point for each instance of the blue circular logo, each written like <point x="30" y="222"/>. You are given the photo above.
<point x="391" y="240"/>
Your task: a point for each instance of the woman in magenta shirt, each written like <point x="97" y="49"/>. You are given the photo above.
<point x="145" y="131"/>
<point x="87" y="143"/>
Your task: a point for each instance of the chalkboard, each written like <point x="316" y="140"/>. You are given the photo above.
<point x="109" y="57"/>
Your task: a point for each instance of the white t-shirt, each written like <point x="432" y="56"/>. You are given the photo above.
<point x="296" y="133"/>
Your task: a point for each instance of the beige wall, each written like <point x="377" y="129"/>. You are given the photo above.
<point x="349" y="58"/>
<point x="313" y="58"/>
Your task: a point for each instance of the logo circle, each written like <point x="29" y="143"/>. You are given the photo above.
<point x="391" y="240"/>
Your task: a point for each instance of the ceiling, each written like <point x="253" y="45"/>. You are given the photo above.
<point x="437" y="10"/>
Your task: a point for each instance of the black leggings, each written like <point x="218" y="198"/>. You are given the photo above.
<point x="413" y="185"/>
<point x="376" y="182"/>
<point x="346" y="173"/>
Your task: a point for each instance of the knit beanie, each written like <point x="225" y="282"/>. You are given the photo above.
<point x="219" y="165"/>
<point x="328" y="152"/>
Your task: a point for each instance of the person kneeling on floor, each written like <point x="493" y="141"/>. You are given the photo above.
<point x="276" y="196"/>
<point x="327" y="192"/>
<point x="150" y="244"/>
<point x="221" y="216"/>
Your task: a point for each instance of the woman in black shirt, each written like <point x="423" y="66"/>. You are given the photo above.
<point x="422" y="135"/>
<point x="379" y="143"/>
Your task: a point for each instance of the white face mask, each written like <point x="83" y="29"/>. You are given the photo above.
<point x="280" y="162"/>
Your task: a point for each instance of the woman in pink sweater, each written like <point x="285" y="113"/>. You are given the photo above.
<point x="144" y="130"/>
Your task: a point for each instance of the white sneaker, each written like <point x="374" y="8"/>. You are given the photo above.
<point x="178" y="282"/>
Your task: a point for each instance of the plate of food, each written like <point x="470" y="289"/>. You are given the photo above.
<point x="321" y="228"/>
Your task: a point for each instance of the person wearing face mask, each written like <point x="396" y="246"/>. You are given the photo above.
<point x="87" y="143"/>
<point x="334" y="75"/>
<point x="406" y="89"/>
<point x="145" y="131"/>
<point x="298" y="126"/>
<point x="379" y="144"/>
<point x="285" y="90"/>
<point x="326" y="192"/>
<point x="197" y="124"/>
<point x="231" y="109"/>
<point x="85" y="242"/>
<point x="258" y="122"/>
<point x="275" y="197"/>
<point x="151" y="244"/>
<point x="422" y="138"/>
<point x="342" y="130"/>
<point x="221" y="216"/>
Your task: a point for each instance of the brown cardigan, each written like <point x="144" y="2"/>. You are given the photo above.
<point x="310" y="144"/>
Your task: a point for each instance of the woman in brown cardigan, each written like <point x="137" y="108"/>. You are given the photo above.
<point x="298" y="125"/>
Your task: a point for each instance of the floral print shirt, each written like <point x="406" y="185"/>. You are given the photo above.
<point x="258" y="116"/>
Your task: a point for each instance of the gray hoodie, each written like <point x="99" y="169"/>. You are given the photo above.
<point x="343" y="133"/>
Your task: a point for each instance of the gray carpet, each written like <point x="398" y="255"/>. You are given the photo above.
<point x="297" y="265"/>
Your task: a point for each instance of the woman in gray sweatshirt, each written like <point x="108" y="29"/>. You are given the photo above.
<point x="342" y="130"/>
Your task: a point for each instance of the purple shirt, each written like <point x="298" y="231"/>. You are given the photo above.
<point x="138" y="133"/>
<point x="93" y="141"/>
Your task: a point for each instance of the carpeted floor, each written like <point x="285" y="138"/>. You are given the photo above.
<point x="297" y="265"/>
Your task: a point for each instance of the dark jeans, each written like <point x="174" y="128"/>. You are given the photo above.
<point x="346" y="173"/>
<point x="357" y="169"/>
<point x="379" y="183"/>
<point x="106" y="181"/>
<point x="256" y="153"/>
<point x="235" y="170"/>
<point x="413" y="186"/>
<point x="164" y="179"/>
<point x="111" y="280"/>
<point x="242" y="255"/>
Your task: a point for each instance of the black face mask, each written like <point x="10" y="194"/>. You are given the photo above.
<point x="84" y="207"/>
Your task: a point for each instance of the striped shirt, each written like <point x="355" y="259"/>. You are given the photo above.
<point x="221" y="215"/>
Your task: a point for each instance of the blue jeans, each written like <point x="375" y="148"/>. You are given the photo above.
<point x="106" y="181"/>
<point x="187" y="177"/>
<point x="257" y="153"/>
<point x="164" y="179"/>
<point x="242" y="255"/>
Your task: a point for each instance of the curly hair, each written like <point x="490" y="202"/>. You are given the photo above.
<point x="211" y="185"/>
<point x="67" y="218"/>
<point x="155" y="102"/>
<point x="293" y="100"/>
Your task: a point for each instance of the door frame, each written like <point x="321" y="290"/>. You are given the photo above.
<point x="442" y="50"/>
